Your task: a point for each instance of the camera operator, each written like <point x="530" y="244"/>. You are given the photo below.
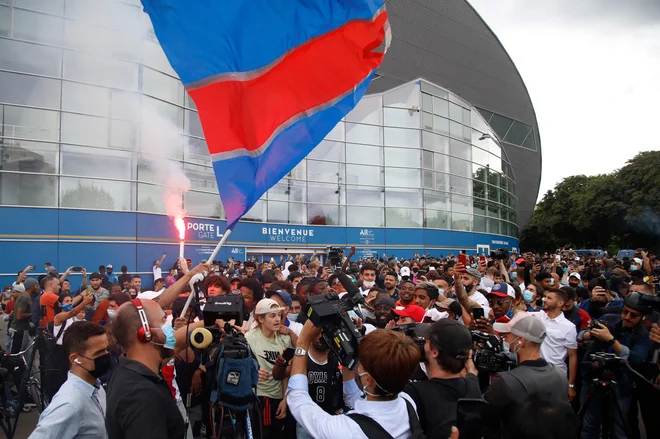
<point x="625" y="336"/>
<point x="524" y="335"/>
<point x="380" y="380"/>
<point x="447" y="354"/>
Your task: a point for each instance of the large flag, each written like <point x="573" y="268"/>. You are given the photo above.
<point x="270" y="78"/>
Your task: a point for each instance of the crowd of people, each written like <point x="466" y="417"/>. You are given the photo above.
<point x="559" y="328"/>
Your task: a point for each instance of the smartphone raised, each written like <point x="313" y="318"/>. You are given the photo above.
<point x="602" y="283"/>
<point x="462" y="258"/>
<point x="288" y="353"/>
<point x="76" y="269"/>
<point x="477" y="313"/>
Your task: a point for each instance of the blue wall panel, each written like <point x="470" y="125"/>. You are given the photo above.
<point x="104" y="225"/>
<point x="92" y="254"/>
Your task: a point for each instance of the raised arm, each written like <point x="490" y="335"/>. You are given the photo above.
<point x="169" y="295"/>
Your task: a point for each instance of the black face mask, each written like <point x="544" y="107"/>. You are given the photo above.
<point x="101" y="365"/>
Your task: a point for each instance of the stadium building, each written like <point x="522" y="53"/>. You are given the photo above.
<point x="443" y="153"/>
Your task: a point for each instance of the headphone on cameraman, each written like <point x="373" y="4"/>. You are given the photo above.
<point x="144" y="332"/>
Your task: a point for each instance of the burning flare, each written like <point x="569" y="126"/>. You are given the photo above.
<point x="180" y="226"/>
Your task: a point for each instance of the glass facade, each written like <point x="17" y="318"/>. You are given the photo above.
<point x="73" y="94"/>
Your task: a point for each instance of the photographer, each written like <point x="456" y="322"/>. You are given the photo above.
<point x="380" y="380"/>
<point x="524" y="335"/>
<point x="446" y="351"/>
<point x="625" y="336"/>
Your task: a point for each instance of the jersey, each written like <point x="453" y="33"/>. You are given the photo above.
<point x="325" y="383"/>
<point x="267" y="350"/>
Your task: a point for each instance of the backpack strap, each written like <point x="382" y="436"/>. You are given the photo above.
<point x="59" y="333"/>
<point x="415" y="427"/>
<point x="369" y="427"/>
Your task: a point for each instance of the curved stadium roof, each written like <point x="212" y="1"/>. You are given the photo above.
<point x="449" y="44"/>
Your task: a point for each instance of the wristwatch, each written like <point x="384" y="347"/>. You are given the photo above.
<point x="300" y="352"/>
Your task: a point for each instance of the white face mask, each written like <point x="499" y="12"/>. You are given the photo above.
<point x="366" y="284"/>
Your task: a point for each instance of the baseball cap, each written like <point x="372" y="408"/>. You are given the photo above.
<point x="18" y="287"/>
<point x="286" y="297"/>
<point x="414" y="311"/>
<point x="523" y="325"/>
<point x="95" y="276"/>
<point x="473" y="272"/>
<point x="576" y="275"/>
<point x="29" y="283"/>
<point x="266" y="306"/>
<point x="520" y="261"/>
<point x="450" y="305"/>
<point x="385" y="301"/>
<point x="638" y="261"/>
<point x="148" y="294"/>
<point x="502" y="289"/>
<point x="108" y="266"/>
<point x="449" y="336"/>
<point x="405" y="271"/>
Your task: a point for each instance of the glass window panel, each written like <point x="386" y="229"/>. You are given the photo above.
<point x="442" y="181"/>
<point x="455" y="129"/>
<point x="441" y="125"/>
<point x="478" y="122"/>
<point x="440" y="107"/>
<point x="395" y="217"/>
<point x="338" y="132"/>
<point x="455" y="112"/>
<point x="29" y="90"/>
<point x="28" y="190"/>
<point x="364" y="196"/>
<point x="288" y="190"/>
<point x="437" y="200"/>
<point x="494" y="178"/>
<point x="297" y="213"/>
<point x="467" y="132"/>
<point x="460" y="185"/>
<point x="123" y="134"/>
<point x="494" y="226"/>
<point x="28" y="57"/>
<point x="32" y="26"/>
<point x="364" y="154"/>
<point x="162" y="110"/>
<point x="517" y="133"/>
<point x="399" y="117"/>
<point x="96" y="162"/>
<point x="88" y="99"/>
<point x="461" y="204"/>
<point x="460" y="167"/>
<point x="479" y="206"/>
<point x="427" y="159"/>
<point x="404" y="96"/>
<point x="257" y="213"/>
<point x="196" y="151"/>
<point x="402" y="177"/>
<point x="203" y="204"/>
<point x="368" y="110"/>
<point x="402" y="157"/>
<point x="30" y="123"/>
<point x="402" y="137"/>
<point x="5" y="22"/>
<point x="436" y="219"/>
<point x="154" y="169"/>
<point x="324" y="215"/>
<point x="328" y="150"/>
<point x="427" y="121"/>
<point x="364" y="175"/>
<point x="100" y="70"/>
<point x="365" y="216"/>
<point x="85" y="130"/>
<point x="480" y="224"/>
<point x="435" y="142"/>
<point x="479" y="189"/>
<point x="429" y="179"/>
<point x="395" y="197"/>
<point x="479" y="156"/>
<point x="323" y="193"/>
<point x="427" y="102"/>
<point x="500" y="124"/>
<point x="461" y="222"/>
<point x="85" y="193"/>
<point x="193" y="125"/>
<point x="162" y="86"/>
<point x="434" y="90"/>
<point x="299" y="172"/>
<point x="188" y="102"/>
<point x="154" y="57"/>
<point x="370" y="134"/>
<point x="124" y="105"/>
<point x="460" y="149"/>
<point x="278" y="212"/>
<point x="151" y="198"/>
<point x="466" y="116"/>
<point x="201" y="177"/>
<point x="529" y="142"/>
<point x="441" y="162"/>
<point x="24" y="156"/>
<point x="324" y="171"/>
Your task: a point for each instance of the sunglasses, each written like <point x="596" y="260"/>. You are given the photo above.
<point x="499" y="302"/>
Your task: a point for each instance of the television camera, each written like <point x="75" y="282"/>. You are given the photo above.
<point x="490" y="357"/>
<point x="335" y="258"/>
<point x="499" y="254"/>
<point x="415" y="331"/>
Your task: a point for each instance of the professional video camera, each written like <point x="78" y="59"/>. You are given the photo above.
<point x="500" y="253"/>
<point x="491" y="357"/>
<point x="335" y="257"/>
<point x="603" y="365"/>
<point x="595" y="324"/>
<point x="651" y="301"/>
<point x="416" y="332"/>
<point x="335" y="317"/>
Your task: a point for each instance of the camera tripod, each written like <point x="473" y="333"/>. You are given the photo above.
<point x="604" y="389"/>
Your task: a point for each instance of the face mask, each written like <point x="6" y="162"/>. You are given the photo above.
<point x="101" y="365"/>
<point x="528" y="296"/>
<point x="513" y="275"/>
<point x="366" y="284"/>
<point x="616" y="280"/>
<point x="67" y="307"/>
<point x="112" y="313"/>
<point x="634" y="267"/>
<point x="506" y="346"/>
<point x="76" y="319"/>
<point x="509" y="313"/>
<point x="292" y="317"/>
<point x="170" y="340"/>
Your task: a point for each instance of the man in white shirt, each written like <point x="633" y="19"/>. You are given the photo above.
<point x="561" y="339"/>
<point x="158" y="273"/>
<point x="470" y="280"/>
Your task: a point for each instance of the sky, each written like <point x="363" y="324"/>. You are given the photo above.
<point x="592" y="68"/>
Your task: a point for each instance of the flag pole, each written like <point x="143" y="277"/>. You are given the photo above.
<point x="209" y="262"/>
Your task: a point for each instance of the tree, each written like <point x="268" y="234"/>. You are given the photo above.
<point x="88" y="197"/>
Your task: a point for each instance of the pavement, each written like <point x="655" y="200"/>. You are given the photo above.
<point x="26" y="424"/>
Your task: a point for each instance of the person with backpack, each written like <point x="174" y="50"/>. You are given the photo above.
<point x="386" y="360"/>
<point x="446" y="350"/>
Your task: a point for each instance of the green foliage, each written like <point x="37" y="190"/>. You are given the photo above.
<point x="612" y="211"/>
<point x="89" y="197"/>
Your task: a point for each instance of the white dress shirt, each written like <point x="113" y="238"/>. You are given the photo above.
<point x="561" y="336"/>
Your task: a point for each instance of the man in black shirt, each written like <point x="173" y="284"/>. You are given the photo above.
<point x="447" y="348"/>
<point x="139" y="402"/>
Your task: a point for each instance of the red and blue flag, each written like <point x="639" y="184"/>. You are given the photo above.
<point x="270" y="78"/>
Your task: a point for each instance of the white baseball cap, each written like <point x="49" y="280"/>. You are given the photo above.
<point x="405" y="271"/>
<point x="523" y="325"/>
<point x="266" y="306"/>
<point x="577" y="275"/>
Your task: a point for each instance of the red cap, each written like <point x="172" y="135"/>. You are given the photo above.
<point x="414" y="311"/>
